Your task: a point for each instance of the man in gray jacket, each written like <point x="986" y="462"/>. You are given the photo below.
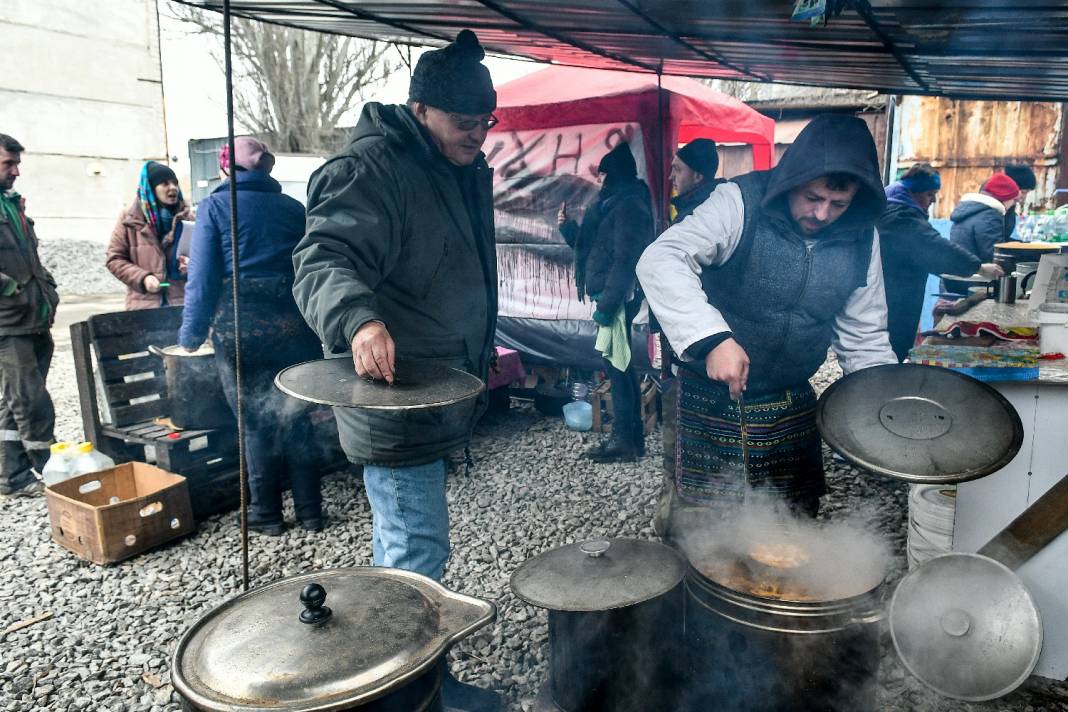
<point x="399" y="261"/>
<point x="28" y="302"/>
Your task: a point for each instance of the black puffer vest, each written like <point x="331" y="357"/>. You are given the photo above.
<point x="780" y="292"/>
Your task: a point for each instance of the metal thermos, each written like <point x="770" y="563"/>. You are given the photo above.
<point x="1005" y="289"/>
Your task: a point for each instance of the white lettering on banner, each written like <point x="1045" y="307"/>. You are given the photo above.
<point x="9" y="436"/>
<point x="534" y="172"/>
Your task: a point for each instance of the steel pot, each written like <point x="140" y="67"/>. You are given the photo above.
<point x="749" y="652"/>
<point x="615" y="624"/>
<point x="194" y="389"/>
<point x="378" y="646"/>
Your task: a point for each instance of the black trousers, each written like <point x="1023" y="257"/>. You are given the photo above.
<point x="27" y="417"/>
<point x="626" y="391"/>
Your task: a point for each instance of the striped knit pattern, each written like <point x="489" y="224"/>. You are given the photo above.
<point x="785" y="456"/>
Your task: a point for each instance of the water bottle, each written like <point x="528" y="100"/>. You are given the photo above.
<point x="57" y="468"/>
<point x="89" y="459"/>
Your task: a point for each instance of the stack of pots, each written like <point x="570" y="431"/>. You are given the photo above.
<point x="615" y="624"/>
<point x="378" y="646"/>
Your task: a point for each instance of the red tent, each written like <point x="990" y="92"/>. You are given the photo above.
<point x="569" y="96"/>
<point x="555" y="125"/>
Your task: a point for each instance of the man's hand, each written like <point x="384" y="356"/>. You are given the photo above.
<point x="561" y="217"/>
<point x="991" y="271"/>
<point x="373" y="352"/>
<point x="183" y="264"/>
<point x="151" y="284"/>
<point x="729" y="364"/>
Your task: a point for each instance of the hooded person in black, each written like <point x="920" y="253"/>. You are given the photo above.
<point x="752" y="289"/>
<point x="615" y="229"/>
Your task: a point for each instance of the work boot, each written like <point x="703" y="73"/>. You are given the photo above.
<point x="31" y="489"/>
<point x="461" y="697"/>
<point x="619" y="448"/>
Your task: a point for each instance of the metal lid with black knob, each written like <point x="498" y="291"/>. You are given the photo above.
<point x="280" y="646"/>
<point x="922" y="424"/>
<point x="598" y="575"/>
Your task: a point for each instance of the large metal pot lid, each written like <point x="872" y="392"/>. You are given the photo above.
<point x="283" y="647"/>
<point x="920" y="424"/>
<point x="418" y="384"/>
<point x="598" y="575"/>
<point x="966" y="626"/>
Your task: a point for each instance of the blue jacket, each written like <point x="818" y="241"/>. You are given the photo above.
<point x="269" y="227"/>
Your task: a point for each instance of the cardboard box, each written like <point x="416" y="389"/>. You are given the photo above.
<point x="114" y="514"/>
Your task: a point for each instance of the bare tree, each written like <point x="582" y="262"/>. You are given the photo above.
<point x="293" y="86"/>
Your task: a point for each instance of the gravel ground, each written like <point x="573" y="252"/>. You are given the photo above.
<point x="112" y="631"/>
<point x="78" y="266"/>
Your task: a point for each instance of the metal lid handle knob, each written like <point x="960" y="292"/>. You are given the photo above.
<point x="595" y="548"/>
<point x="313" y="596"/>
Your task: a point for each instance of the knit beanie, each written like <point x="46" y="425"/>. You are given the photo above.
<point x="700" y="155"/>
<point x="1023" y="175"/>
<point x="1002" y="187"/>
<point x="159" y="173"/>
<point x="618" y="163"/>
<point x="252" y="155"/>
<point x="453" y="78"/>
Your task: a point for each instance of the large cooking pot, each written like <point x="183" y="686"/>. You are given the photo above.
<point x="755" y="653"/>
<point x="378" y="646"/>
<point x="615" y="624"/>
<point x="194" y="389"/>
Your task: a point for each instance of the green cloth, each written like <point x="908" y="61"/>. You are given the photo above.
<point x="614" y="342"/>
<point x="9" y="206"/>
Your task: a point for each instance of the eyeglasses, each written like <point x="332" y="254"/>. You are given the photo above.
<point x="471" y="124"/>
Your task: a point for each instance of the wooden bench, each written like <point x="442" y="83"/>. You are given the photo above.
<point x="120" y="408"/>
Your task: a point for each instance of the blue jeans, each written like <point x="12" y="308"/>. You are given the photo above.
<point x="410" y="526"/>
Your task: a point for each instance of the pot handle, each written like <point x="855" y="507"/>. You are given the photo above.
<point x="156" y="351"/>
<point x="1023" y="281"/>
<point x="462" y="615"/>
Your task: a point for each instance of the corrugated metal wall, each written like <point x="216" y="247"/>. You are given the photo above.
<point x="969" y="140"/>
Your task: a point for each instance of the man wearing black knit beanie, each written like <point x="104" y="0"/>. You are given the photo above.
<point x="399" y="261"/>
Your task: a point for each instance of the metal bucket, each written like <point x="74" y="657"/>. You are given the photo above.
<point x="194" y="389"/>
<point x="622" y="660"/>
<point x="753" y="653"/>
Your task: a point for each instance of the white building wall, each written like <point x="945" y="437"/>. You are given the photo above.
<point x="82" y="91"/>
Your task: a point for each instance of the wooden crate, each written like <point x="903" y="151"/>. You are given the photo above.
<point x="114" y="514"/>
<point x="601" y="400"/>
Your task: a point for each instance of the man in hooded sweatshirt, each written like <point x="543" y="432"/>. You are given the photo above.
<point x="979" y="218"/>
<point x="912" y="249"/>
<point x="774" y="268"/>
<point x="615" y="229"/>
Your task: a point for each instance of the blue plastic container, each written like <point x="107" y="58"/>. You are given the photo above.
<point x="578" y="415"/>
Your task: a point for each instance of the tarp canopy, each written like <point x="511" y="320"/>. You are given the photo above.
<point x="978" y="49"/>
<point x="555" y="126"/>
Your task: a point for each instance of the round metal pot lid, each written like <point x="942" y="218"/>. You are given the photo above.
<point x="283" y="646"/>
<point x="920" y="424"/>
<point x="598" y="575"/>
<point x="418" y="384"/>
<point x="966" y="626"/>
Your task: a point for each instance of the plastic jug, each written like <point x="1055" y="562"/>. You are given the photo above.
<point x="89" y="459"/>
<point x="578" y="415"/>
<point x="57" y="468"/>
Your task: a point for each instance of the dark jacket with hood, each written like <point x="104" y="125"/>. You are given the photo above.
<point x="615" y="229"/>
<point x="29" y="306"/>
<point x="911" y="249"/>
<point x="392" y="236"/>
<point x="781" y="289"/>
<point x="978" y="225"/>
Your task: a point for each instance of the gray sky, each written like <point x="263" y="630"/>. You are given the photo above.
<point x="194" y="87"/>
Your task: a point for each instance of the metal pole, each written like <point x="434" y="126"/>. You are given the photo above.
<point x="242" y="469"/>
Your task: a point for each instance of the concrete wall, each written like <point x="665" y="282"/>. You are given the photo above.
<point x="82" y="90"/>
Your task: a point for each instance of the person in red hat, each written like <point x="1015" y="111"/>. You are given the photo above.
<point x="979" y="218"/>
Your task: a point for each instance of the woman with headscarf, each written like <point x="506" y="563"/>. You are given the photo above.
<point x="143" y="252"/>
<point x="278" y="438"/>
<point x="615" y="229"/>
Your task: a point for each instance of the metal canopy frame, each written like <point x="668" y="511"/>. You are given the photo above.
<point x="965" y="49"/>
